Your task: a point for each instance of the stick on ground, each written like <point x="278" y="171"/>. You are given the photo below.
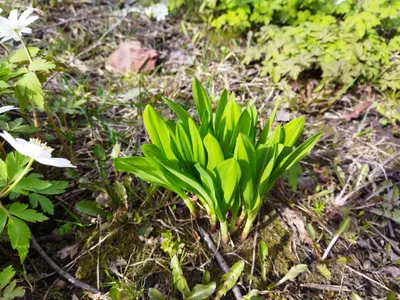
<point x="61" y="272"/>
<point x="221" y="261"/>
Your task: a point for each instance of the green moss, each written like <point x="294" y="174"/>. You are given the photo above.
<point x="56" y="293"/>
<point x="123" y="244"/>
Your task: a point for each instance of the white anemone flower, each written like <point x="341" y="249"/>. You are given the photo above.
<point x="14" y="27"/>
<point x="7" y="108"/>
<point x="160" y="11"/>
<point x="36" y="150"/>
<point x="339" y="1"/>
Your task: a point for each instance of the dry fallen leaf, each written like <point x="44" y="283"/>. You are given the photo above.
<point x="130" y="57"/>
<point x="357" y="110"/>
<point x="297" y="224"/>
<point x="390" y="271"/>
<point x="70" y="251"/>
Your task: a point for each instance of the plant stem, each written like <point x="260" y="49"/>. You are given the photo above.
<point x="26" y="49"/>
<point x="213" y="221"/>
<point x="3" y="152"/>
<point x="241" y="218"/>
<point x="35" y="120"/>
<point x="6" y="190"/>
<point x="190" y="205"/>
<point x="57" y="130"/>
<point x="5" y="47"/>
<point x="224" y="232"/>
<point x="249" y="224"/>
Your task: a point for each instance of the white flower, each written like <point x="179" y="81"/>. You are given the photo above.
<point x="37" y="151"/>
<point x="160" y="11"/>
<point x="148" y="11"/>
<point x="7" y="108"/>
<point x="339" y="1"/>
<point x="14" y="27"/>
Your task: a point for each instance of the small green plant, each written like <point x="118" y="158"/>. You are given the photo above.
<point x="200" y="291"/>
<point x="8" y="287"/>
<point x="224" y="161"/>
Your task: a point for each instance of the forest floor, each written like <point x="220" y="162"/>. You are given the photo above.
<point x="346" y="173"/>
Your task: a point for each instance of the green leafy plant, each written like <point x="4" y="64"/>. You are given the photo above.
<point x="221" y="160"/>
<point x="199" y="291"/>
<point x="8" y="287"/>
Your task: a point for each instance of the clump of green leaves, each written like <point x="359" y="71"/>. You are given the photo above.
<point x="349" y="41"/>
<point x="22" y="76"/>
<point x="14" y="215"/>
<point x="8" y="287"/>
<point x="225" y="161"/>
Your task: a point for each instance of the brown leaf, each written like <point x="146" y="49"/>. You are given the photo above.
<point x="130" y="57"/>
<point x="297" y="224"/>
<point x="357" y="110"/>
<point x="70" y="251"/>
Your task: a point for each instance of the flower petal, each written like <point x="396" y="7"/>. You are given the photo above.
<point x="26" y="30"/>
<point x="56" y="162"/>
<point x="25" y="15"/>
<point x="28" y="21"/>
<point x="7" y="108"/>
<point x="13" y="17"/>
<point x="13" y="142"/>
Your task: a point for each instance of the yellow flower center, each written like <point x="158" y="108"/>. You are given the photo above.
<point x="43" y="145"/>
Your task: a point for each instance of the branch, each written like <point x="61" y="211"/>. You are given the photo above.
<point x="61" y="272"/>
<point x="221" y="261"/>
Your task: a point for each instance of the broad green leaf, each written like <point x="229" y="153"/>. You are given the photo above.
<point x="3" y="218"/>
<point x="21" y="56"/>
<point x="202" y="101"/>
<point x="55" y="188"/>
<point x="41" y="65"/>
<point x="182" y="114"/>
<point x="214" y="152"/>
<point x="31" y="184"/>
<point x="324" y="271"/>
<point x="245" y="155"/>
<point x="228" y="175"/>
<point x="293" y="273"/>
<point x="90" y="208"/>
<point x="15" y="164"/>
<point x="29" y="88"/>
<point x="187" y="180"/>
<point x="218" y="127"/>
<point x="5" y="276"/>
<point x="295" y="156"/>
<point x="291" y="132"/>
<point x="201" y="291"/>
<point x="197" y="144"/>
<point x="45" y="204"/>
<point x="178" y="279"/>
<point x="229" y="279"/>
<point x="158" y="132"/>
<point x="243" y="126"/>
<point x="293" y="175"/>
<point x="21" y="211"/>
<point x="155" y="294"/>
<point x="265" y="132"/>
<point x="19" y="235"/>
<point x="3" y="170"/>
<point x="184" y="144"/>
<point x="229" y="120"/>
